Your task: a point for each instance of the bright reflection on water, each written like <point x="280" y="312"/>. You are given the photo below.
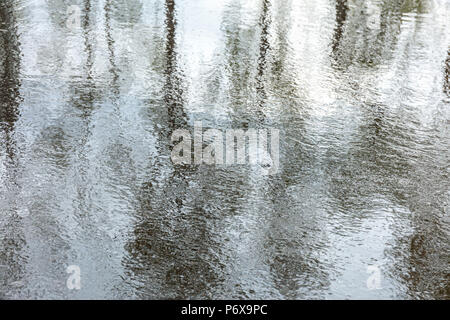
<point x="359" y="90"/>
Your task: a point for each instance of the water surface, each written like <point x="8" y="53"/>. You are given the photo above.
<point x="358" y="89"/>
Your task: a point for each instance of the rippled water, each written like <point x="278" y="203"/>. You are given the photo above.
<point x="358" y="89"/>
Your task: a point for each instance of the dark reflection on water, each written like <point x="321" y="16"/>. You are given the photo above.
<point x="341" y="16"/>
<point x="12" y="260"/>
<point x="358" y="89"/>
<point x="447" y="74"/>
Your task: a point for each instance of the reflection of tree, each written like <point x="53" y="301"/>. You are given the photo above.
<point x="86" y="25"/>
<point x="391" y="161"/>
<point x="355" y="41"/>
<point x="447" y="74"/>
<point x="423" y="265"/>
<point x="245" y="65"/>
<point x="173" y="90"/>
<point x="368" y="161"/>
<point x="264" y="47"/>
<point x="294" y="238"/>
<point x="238" y="58"/>
<point x="12" y="237"/>
<point x="170" y="253"/>
<point x="110" y="44"/>
<point x="374" y="149"/>
<point x="289" y="238"/>
<point x="84" y="92"/>
<point x="371" y="165"/>
<point x="83" y="88"/>
<point x="341" y="17"/>
<point x="63" y="146"/>
<point x="422" y="256"/>
<point x="10" y="68"/>
<point x="281" y="240"/>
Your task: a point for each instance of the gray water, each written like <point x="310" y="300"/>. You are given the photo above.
<point x="358" y="89"/>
